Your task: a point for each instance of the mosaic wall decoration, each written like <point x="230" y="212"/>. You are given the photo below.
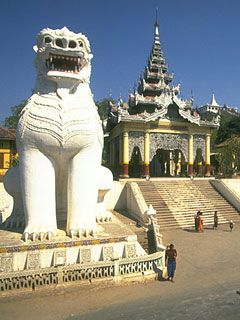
<point x="199" y="143"/>
<point x="167" y="141"/>
<point x="136" y="139"/>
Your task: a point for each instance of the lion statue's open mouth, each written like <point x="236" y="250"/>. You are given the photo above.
<point x="63" y="63"/>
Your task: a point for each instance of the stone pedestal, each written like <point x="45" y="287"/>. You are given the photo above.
<point x="190" y="169"/>
<point x="125" y="168"/>
<point x="112" y="240"/>
<point x="199" y="169"/>
<point x="113" y="255"/>
<point x="146" y="170"/>
<point x="207" y="170"/>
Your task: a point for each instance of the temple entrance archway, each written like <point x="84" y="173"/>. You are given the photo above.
<point x="159" y="163"/>
<point x="167" y="163"/>
<point x="135" y="164"/>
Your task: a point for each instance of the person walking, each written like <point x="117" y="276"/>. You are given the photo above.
<point x="231" y="224"/>
<point x="215" y="220"/>
<point x="171" y="255"/>
<point x="196" y="220"/>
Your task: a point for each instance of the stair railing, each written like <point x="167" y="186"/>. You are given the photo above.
<point x="153" y="224"/>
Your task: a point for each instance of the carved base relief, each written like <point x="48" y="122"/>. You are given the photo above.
<point x="107" y="253"/>
<point x="60" y="258"/>
<point x="85" y="255"/>
<point x="6" y="262"/>
<point x="130" y="251"/>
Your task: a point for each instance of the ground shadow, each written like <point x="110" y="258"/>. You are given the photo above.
<point x="208" y="228"/>
<point x="3" y="227"/>
<point x="159" y="274"/>
<point x="190" y="230"/>
<point x="127" y="215"/>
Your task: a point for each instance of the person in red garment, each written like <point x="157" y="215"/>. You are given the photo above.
<point x="200" y="222"/>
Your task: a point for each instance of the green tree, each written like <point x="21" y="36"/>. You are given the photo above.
<point x="14" y="160"/>
<point x="12" y="121"/>
<point x="229" y="156"/>
<point x="103" y="107"/>
<point x="227" y="144"/>
<point x="229" y="127"/>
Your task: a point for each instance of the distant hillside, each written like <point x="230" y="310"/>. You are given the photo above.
<point x="229" y="126"/>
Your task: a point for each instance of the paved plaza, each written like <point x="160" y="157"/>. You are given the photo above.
<point x="206" y="287"/>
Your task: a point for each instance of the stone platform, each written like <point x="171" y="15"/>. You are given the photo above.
<point x="114" y="254"/>
<point x="114" y="240"/>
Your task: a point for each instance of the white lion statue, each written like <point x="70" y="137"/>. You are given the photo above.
<point x="59" y="141"/>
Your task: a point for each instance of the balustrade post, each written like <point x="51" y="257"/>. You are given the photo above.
<point x="116" y="267"/>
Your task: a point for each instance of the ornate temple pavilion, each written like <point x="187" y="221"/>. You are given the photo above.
<point x="157" y="133"/>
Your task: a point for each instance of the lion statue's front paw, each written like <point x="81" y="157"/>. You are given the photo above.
<point x="38" y="233"/>
<point x="104" y="216"/>
<point x="81" y="232"/>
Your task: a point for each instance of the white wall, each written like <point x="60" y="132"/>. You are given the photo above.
<point x="127" y="196"/>
<point x="6" y="204"/>
<point x="228" y="188"/>
<point x="116" y="198"/>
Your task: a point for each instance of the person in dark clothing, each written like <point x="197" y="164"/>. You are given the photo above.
<point x="215" y="220"/>
<point x="196" y="220"/>
<point x="171" y="255"/>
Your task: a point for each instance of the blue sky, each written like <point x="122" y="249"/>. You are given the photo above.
<point x="200" y="40"/>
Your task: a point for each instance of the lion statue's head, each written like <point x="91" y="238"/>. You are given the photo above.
<point x="63" y="55"/>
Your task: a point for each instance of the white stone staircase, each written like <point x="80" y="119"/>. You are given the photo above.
<point x="176" y="201"/>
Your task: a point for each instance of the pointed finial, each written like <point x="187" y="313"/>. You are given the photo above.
<point x="156" y="21"/>
<point x="156" y="25"/>
<point x="191" y="93"/>
<point x="213" y="101"/>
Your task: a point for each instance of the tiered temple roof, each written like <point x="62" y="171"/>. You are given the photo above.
<point x="155" y="80"/>
<point x="155" y="96"/>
